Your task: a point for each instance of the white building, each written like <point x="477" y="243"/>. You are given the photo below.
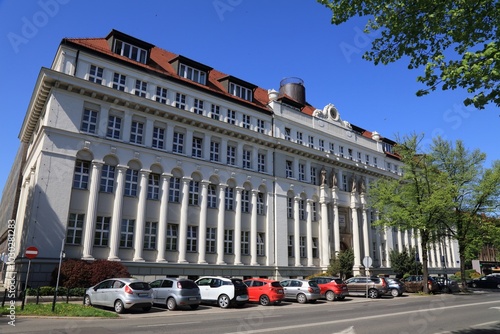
<point x="134" y="154"/>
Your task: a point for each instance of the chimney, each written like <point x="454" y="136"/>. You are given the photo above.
<point x="294" y="88"/>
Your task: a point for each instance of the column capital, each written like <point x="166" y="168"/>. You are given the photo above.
<point x="309" y="201"/>
<point x="145" y="171"/>
<point x="205" y="182"/>
<point x="166" y="175"/>
<point x="240" y="189"/>
<point x="186" y="179"/>
<point x="97" y="163"/>
<point x="122" y="167"/>
<point x="255" y="192"/>
<point x="223" y="185"/>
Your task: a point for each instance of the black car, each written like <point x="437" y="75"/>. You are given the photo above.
<point x="486" y="282"/>
<point x="447" y="285"/>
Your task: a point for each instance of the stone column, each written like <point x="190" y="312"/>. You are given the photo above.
<point x="309" y="234"/>
<point x="237" y="228"/>
<point x="203" y="222"/>
<point x="183" y="220"/>
<point x="114" y="238"/>
<point x="220" y="223"/>
<point x="253" y="229"/>
<point x="366" y="227"/>
<point x="389" y="245"/>
<point x="88" y="238"/>
<point x="324" y="241"/>
<point x="141" y="215"/>
<point x="296" y="231"/>
<point x="355" y="235"/>
<point x="162" y="228"/>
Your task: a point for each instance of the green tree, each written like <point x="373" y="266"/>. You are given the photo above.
<point x="404" y="262"/>
<point x="476" y="193"/>
<point x="346" y="262"/>
<point x="455" y="42"/>
<point x="419" y="200"/>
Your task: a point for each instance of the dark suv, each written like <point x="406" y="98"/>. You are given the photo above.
<point x="415" y="283"/>
<point x="373" y="287"/>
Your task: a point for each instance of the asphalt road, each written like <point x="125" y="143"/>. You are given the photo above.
<point x="477" y="313"/>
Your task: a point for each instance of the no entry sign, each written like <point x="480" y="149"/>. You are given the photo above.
<point x="31" y="252"/>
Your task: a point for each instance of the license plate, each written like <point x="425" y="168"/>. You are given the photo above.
<point x="143" y="294"/>
<point x="280" y="291"/>
<point x="192" y="298"/>
<point x="344" y="288"/>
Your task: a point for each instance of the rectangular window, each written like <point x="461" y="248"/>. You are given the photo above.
<point x="114" y="127"/>
<point x="289" y="169"/>
<point x="247" y="159"/>
<point x="158" y="138"/>
<point x="245" y="201"/>
<point x="332" y="148"/>
<point x="228" y="241"/>
<point x="231" y="155"/>
<point x="314" y="209"/>
<point x="315" y="252"/>
<point x="359" y="157"/>
<point x="198" y="106"/>
<point x="215" y="112"/>
<point x="141" y="88"/>
<point x="302" y="172"/>
<point x="367" y="159"/>
<point x="245" y="242"/>
<point x="375" y="163"/>
<point x="291" y="250"/>
<point x="344" y="183"/>
<point x="321" y="144"/>
<point x="240" y="91"/>
<point x="75" y="229"/>
<point x="192" y="238"/>
<point x="299" y="138"/>
<point x="261" y="126"/>
<point x="261" y="162"/>
<point x="194" y="192"/>
<point x="130" y="51"/>
<point x="229" y="199"/>
<point x="214" y="151"/>
<point x="197" y="147"/>
<point x="311" y="141"/>
<point x="178" y="143"/>
<point x="136" y="132"/>
<point x="127" y="233"/>
<point x="349" y="153"/>
<point x="341" y="151"/>
<point x="81" y="175"/>
<point x="261" y="237"/>
<point x="192" y="74"/>
<point x="95" y="74"/>
<point x="101" y="235"/>
<point x="288" y="134"/>
<point x="212" y="196"/>
<point x="180" y="101"/>
<point x="154" y="186"/>
<point x="211" y="238"/>
<point x="131" y="177"/>
<point x="107" y="178"/>
<point x="260" y="203"/>
<point x="119" y="81"/>
<point x="302" y="209"/>
<point x="314" y="175"/>
<point x="303" y="252"/>
<point x="161" y="95"/>
<point x="172" y="231"/>
<point x="174" y="190"/>
<point x="246" y="121"/>
<point x="89" y="121"/>
<point x="150" y="229"/>
<point x="231" y="117"/>
<point x="289" y="207"/>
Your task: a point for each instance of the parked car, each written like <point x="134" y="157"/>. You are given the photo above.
<point x="301" y="290"/>
<point x="174" y="292"/>
<point x="396" y="287"/>
<point x="264" y="291"/>
<point x="121" y="294"/>
<point x="486" y="282"/>
<point x="331" y="288"/>
<point x="223" y="291"/>
<point x="373" y="287"/>
<point x="415" y="283"/>
<point x="446" y="285"/>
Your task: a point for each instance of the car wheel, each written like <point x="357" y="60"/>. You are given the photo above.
<point x="223" y="301"/>
<point x="301" y="298"/>
<point x="498" y="286"/>
<point x="194" y="306"/>
<point x="278" y="302"/>
<point x="171" y="304"/>
<point x="372" y="293"/>
<point x="146" y="309"/>
<point x="330" y="296"/>
<point x="394" y="292"/>
<point x="474" y="284"/>
<point x="87" y="301"/>
<point x="119" y="308"/>
<point x="264" y="300"/>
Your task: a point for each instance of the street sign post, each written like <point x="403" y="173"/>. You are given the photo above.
<point x="31" y="252"/>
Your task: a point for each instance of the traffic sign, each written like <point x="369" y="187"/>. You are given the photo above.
<point x="31" y="252"/>
<point x="367" y="262"/>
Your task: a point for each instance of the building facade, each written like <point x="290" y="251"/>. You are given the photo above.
<point x="131" y="153"/>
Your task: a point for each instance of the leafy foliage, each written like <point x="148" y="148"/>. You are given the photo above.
<point x="404" y="262"/>
<point x="104" y="269"/>
<point x="341" y="264"/>
<point x="455" y="42"/>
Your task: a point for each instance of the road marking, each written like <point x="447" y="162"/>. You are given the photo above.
<point x="378" y="316"/>
<point x="174" y="324"/>
<point x="486" y="323"/>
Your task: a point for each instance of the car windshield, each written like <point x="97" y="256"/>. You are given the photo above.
<point x="188" y="285"/>
<point x="140" y="286"/>
<point x="313" y="283"/>
<point x="237" y="282"/>
<point x="337" y="280"/>
<point x="276" y="284"/>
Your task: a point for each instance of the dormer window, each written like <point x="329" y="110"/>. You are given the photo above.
<point x="130" y="51"/>
<point x="240" y="91"/>
<point x="192" y="74"/>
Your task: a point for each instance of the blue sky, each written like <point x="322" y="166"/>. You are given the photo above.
<point x="259" y="41"/>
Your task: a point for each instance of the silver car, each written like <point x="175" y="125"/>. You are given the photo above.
<point x="121" y="294"/>
<point x="301" y="290"/>
<point x="174" y="292"/>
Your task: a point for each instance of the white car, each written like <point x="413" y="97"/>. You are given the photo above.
<point x="223" y="291"/>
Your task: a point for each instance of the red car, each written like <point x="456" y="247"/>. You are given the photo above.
<point x="264" y="291"/>
<point x="332" y="288"/>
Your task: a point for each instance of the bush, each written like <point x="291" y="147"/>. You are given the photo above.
<point x="50" y="290"/>
<point x="104" y="269"/>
